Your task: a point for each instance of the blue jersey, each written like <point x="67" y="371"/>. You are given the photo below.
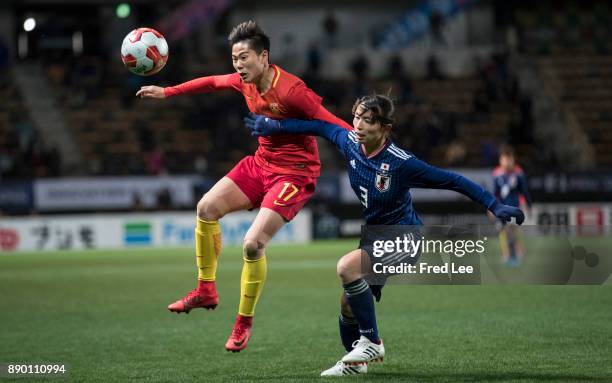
<point x="382" y="180"/>
<point x="510" y="187"/>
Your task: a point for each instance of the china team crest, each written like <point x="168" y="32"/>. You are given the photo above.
<point x="383" y="178"/>
<point x="275" y="108"/>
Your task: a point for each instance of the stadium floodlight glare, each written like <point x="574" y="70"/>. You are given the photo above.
<point x="29" y="24"/>
<point x="123" y="10"/>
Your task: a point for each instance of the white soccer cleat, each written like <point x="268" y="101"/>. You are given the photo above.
<point x="342" y="369"/>
<point x="364" y="350"/>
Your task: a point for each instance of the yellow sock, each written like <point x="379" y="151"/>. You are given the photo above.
<point x="519" y="243"/>
<point x="503" y="242"/>
<point x="251" y="283"/>
<point x="208" y="248"/>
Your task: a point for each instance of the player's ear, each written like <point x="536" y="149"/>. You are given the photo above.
<point x="387" y="129"/>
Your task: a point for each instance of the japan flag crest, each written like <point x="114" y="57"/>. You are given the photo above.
<point x="383" y="178"/>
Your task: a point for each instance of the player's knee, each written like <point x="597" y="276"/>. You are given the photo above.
<point x="208" y="210"/>
<point x="345" y="271"/>
<point x="252" y="249"/>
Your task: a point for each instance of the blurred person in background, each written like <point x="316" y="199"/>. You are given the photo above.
<point x="330" y="29"/>
<point x="510" y="188"/>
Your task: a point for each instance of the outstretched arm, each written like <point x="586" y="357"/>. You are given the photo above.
<point x="264" y="126"/>
<point x="420" y="174"/>
<point x="198" y="85"/>
<point x="305" y="104"/>
<point x="325" y="115"/>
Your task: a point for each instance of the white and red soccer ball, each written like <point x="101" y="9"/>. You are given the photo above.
<point x="144" y="51"/>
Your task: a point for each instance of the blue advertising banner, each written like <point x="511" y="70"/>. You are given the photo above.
<point x="16" y="196"/>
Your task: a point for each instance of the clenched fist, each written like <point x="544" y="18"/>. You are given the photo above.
<point x="151" y="91"/>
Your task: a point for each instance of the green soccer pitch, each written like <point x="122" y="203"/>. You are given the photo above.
<point x="103" y="314"/>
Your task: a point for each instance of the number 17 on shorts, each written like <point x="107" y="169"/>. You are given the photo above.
<point x="288" y="197"/>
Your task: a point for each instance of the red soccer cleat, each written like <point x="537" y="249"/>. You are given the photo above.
<point x="241" y="333"/>
<point x="204" y="296"/>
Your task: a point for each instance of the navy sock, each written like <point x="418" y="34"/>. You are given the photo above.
<point x="349" y="331"/>
<point x="360" y="299"/>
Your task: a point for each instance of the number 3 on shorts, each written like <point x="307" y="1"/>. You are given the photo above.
<point x="289" y="190"/>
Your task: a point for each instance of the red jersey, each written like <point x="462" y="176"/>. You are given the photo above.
<point x="288" y="97"/>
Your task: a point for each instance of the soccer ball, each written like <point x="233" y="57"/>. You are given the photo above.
<point x="144" y="51"/>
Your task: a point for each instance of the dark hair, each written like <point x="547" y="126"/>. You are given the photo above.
<point x="381" y="106"/>
<point x="250" y="32"/>
<point x="506" y="150"/>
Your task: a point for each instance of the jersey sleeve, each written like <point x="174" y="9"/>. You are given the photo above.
<point x="205" y="85"/>
<point x="325" y="115"/>
<point x="496" y="188"/>
<point x="333" y="133"/>
<point x="523" y="188"/>
<point x="419" y="174"/>
<point x="302" y="101"/>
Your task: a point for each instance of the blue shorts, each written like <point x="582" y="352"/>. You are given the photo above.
<point x="370" y="235"/>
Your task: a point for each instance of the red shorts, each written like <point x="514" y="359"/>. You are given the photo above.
<point x="286" y="194"/>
